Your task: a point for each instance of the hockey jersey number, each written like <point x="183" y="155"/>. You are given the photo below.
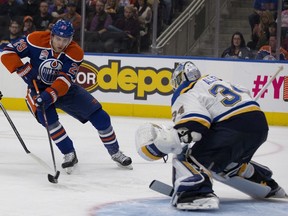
<point x="231" y="97"/>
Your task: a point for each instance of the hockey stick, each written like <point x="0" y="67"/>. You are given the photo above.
<point x="268" y="83"/>
<point x="37" y="159"/>
<point x="51" y="178"/>
<point x="161" y="187"/>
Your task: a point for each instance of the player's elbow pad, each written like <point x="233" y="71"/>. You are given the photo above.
<point x="61" y="85"/>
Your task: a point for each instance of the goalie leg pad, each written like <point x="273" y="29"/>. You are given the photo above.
<point x="252" y="179"/>
<point x="189" y="183"/>
<point x="250" y="188"/>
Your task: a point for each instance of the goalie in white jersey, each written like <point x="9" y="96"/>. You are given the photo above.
<point x="223" y="127"/>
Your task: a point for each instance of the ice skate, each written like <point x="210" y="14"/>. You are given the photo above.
<point x="276" y="191"/>
<point x="197" y="202"/>
<point x="70" y="160"/>
<point x="122" y="160"/>
<point x="263" y="175"/>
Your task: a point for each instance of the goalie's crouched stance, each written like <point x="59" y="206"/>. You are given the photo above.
<point x="192" y="181"/>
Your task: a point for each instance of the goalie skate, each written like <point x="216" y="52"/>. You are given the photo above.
<point x="70" y="160"/>
<point x="201" y="202"/>
<point x="122" y="160"/>
<point x="279" y="192"/>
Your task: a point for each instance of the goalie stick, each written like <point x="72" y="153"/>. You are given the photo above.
<point x="168" y="190"/>
<point x="161" y="187"/>
<point x="51" y="178"/>
<point x="285" y="89"/>
<point x="37" y="159"/>
<point x="268" y="83"/>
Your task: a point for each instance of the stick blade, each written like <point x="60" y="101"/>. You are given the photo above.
<point x="54" y="179"/>
<point x="161" y="187"/>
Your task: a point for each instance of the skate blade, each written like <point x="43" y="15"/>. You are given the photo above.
<point x="200" y="204"/>
<point x="69" y="170"/>
<point x="279" y="194"/>
<point x="129" y="167"/>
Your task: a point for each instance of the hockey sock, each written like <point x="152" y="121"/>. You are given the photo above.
<point x="101" y="121"/>
<point x="109" y="140"/>
<point x="60" y="138"/>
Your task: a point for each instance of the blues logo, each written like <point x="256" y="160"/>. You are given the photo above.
<point x="49" y="70"/>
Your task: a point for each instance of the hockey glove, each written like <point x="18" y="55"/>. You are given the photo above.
<point x="187" y="136"/>
<point x="1" y="95"/>
<point x="166" y="139"/>
<point x="46" y="98"/>
<point x="24" y="72"/>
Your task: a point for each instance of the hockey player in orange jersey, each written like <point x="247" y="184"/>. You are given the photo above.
<point x="54" y="63"/>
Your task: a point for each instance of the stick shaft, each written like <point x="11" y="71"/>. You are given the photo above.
<point x="47" y="128"/>
<point x="14" y="128"/>
<point x="33" y="156"/>
<point x="268" y="83"/>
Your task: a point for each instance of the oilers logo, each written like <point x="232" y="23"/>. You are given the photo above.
<point x="49" y="70"/>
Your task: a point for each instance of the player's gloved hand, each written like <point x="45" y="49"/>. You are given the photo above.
<point x="24" y="72"/>
<point x="46" y="98"/>
<point x="1" y="95"/>
<point x="187" y="136"/>
<point x="166" y="139"/>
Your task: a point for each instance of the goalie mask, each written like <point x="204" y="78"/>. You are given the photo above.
<point x="184" y="72"/>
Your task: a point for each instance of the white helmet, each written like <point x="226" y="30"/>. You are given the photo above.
<point x="186" y="71"/>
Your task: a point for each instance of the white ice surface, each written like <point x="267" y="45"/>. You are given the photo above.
<point x="97" y="183"/>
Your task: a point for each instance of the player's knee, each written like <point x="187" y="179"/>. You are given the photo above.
<point x="100" y="120"/>
<point x="52" y="117"/>
<point x="251" y="171"/>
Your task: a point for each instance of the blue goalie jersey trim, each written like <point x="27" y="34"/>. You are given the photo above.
<point x="247" y="107"/>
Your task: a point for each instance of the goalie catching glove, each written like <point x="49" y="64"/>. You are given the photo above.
<point x="166" y="139"/>
<point x="154" y="142"/>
